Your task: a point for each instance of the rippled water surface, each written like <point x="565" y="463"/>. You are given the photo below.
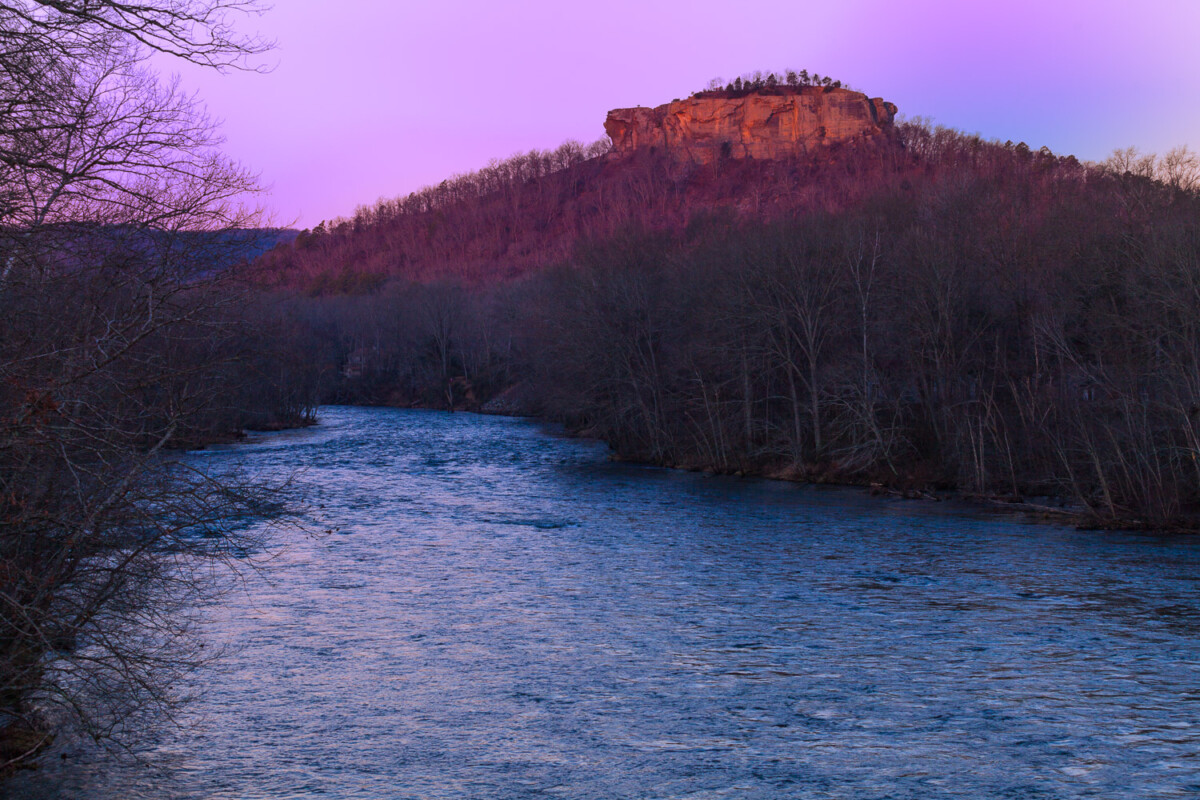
<point x="503" y="613"/>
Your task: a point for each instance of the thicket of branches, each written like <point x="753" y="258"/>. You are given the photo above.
<point x="122" y="339"/>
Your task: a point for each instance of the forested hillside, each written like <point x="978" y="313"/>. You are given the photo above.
<point x="927" y="310"/>
<point x="529" y="212"/>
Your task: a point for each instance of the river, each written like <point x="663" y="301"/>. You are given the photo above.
<point x="500" y="612"/>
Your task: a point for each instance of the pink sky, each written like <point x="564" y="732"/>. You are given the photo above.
<point x="376" y="98"/>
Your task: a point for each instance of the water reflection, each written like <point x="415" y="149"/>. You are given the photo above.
<point x="503" y="613"/>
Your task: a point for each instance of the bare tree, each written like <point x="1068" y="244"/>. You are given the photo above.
<point x="116" y="346"/>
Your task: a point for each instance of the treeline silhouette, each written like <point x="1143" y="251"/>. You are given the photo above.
<point x="931" y="312"/>
<point x="758" y="81"/>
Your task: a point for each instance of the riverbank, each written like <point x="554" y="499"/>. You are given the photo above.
<point x="915" y="484"/>
<point x="1042" y="509"/>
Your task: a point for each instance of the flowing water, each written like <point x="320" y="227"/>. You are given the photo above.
<point x="504" y="613"/>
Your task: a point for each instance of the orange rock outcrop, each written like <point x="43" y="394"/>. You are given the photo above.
<point x="762" y="125"/>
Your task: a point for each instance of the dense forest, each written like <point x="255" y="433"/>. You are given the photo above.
<point x="929" y="311"/>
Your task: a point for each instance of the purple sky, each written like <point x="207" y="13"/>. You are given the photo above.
<point x="372" y="98"/>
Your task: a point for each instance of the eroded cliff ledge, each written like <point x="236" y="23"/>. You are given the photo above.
<point x="765" y="125"/>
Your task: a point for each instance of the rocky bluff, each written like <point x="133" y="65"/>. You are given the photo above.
<point x="766" y="124"/>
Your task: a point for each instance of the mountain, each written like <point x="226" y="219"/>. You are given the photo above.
<point x="766" y="153"/>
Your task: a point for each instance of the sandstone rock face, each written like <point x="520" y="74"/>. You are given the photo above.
<point x="764" y="125"/>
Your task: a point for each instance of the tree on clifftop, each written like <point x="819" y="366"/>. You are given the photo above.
<point x="758" y="80"/>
